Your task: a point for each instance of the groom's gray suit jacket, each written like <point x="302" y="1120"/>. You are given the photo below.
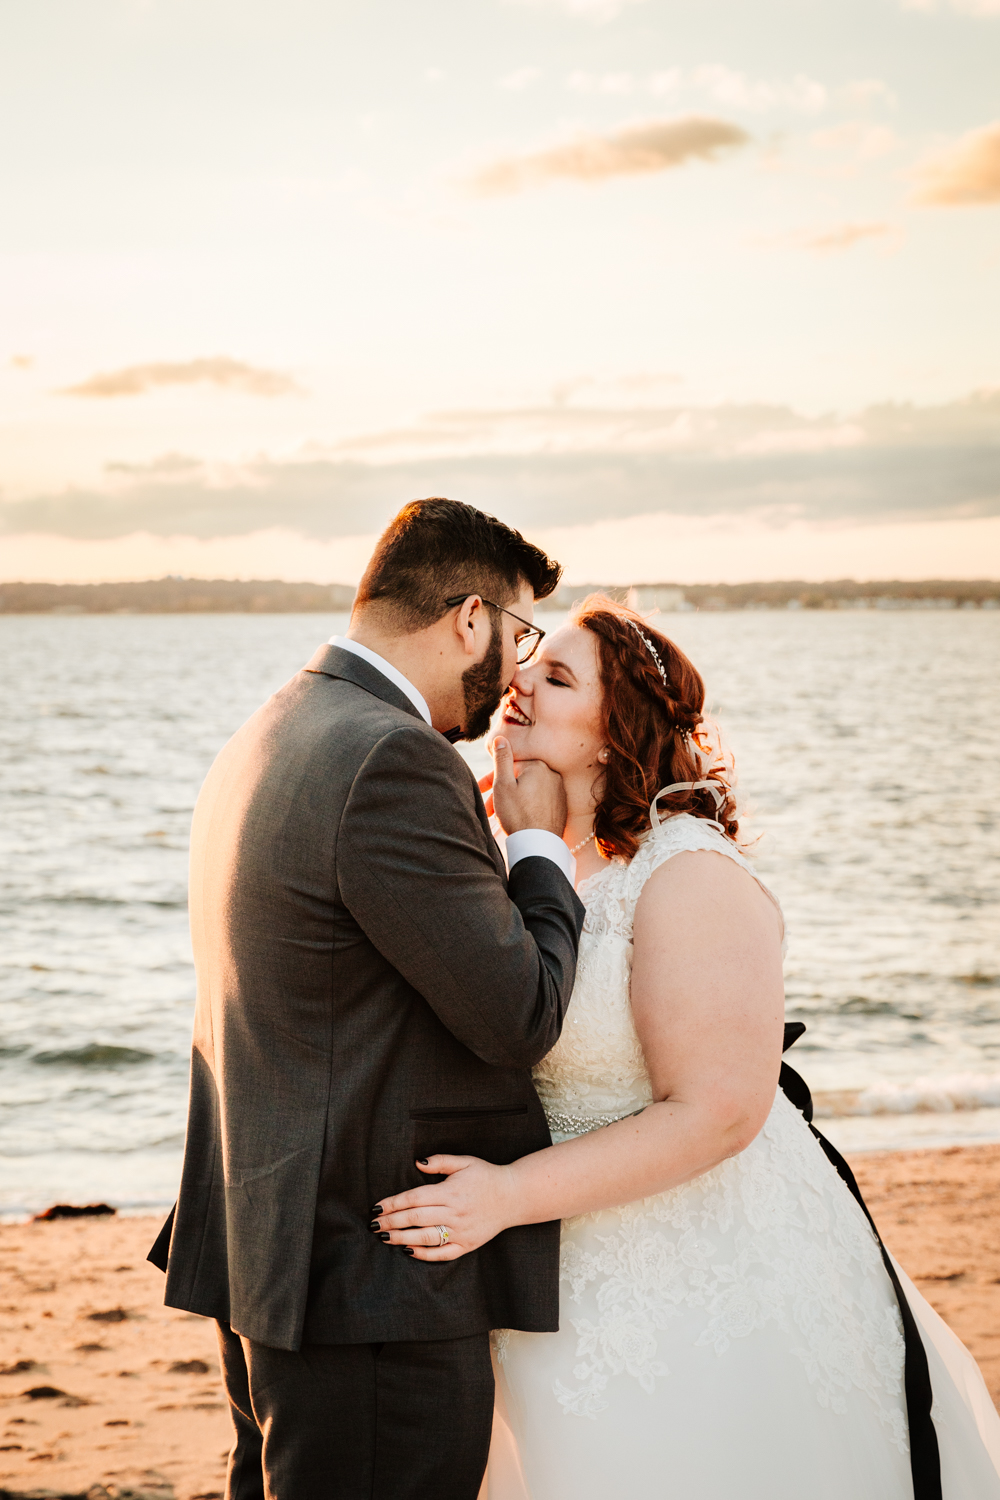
<point x="371" y="989"/>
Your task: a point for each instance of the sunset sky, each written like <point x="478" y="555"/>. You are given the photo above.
<point x="703" y="290"/>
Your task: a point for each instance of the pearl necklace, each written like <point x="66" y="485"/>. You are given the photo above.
<point x="580" y="845"/>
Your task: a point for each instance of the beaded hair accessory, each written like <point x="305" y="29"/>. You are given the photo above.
<point x="652" y="651"/>
<point x="684" y="733"/>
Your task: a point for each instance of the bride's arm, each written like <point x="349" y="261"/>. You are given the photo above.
<point x="707" y="1000"/>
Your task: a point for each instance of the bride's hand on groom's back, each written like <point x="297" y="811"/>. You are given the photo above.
<point x="474" y="1203"/>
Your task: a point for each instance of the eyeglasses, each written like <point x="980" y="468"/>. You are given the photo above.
<point x="527" y="642"/>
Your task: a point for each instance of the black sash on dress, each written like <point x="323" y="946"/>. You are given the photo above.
<point x="925" y="1460"/>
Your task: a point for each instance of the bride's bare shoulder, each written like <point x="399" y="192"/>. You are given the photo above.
<point x="699" y="888"/>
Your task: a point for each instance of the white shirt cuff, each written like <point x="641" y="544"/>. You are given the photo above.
<point x="538" y="841"/>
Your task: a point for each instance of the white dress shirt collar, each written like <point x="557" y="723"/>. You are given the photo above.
<point x="387" y="669"/>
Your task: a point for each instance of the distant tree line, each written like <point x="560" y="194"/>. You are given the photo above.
<point x="838" y="592"/>
<point x="273" y="596"/>
<point x="169" y="596"/>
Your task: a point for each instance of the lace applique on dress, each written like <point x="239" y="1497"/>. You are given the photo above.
<point x="596" y="1069"/>
<point x="499" y="1339"/>
<point x="764" y="1238"/>
<point x="767" y="1238"/>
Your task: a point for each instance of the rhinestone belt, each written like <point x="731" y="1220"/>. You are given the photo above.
<point x="575" y="1125"/>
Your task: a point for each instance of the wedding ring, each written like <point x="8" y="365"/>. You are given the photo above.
<point x="443" y="1235"/>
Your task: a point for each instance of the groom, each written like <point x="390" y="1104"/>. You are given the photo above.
<point x="372" y="988"/>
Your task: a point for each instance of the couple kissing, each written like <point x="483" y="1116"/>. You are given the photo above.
<point x="495" y="1182"/>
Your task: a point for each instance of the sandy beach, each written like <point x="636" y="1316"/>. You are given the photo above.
<point x="104" y="1391"/>
<point x="939" y="1214"/>
<point x="108" y="1395"/>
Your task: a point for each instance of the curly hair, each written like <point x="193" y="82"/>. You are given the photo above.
<point x="648" y="727"/>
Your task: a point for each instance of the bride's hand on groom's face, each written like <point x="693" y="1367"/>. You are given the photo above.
<point x="474" y="1203"/>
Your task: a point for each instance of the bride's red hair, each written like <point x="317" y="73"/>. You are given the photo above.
<point x="647" y="728"/>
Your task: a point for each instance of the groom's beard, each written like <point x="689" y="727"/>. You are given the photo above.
<point x="483" y="688"/>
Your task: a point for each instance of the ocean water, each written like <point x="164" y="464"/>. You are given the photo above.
<point x="867" y="746"/>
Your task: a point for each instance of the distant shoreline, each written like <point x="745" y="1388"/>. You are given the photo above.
<point x="175" y="595"/>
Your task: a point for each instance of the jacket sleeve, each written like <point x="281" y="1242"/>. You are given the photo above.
<point x="495" y="963"/>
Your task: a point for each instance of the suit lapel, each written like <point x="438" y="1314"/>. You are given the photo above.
<point x="331" y="661"/>
<point x="491" y="842"/>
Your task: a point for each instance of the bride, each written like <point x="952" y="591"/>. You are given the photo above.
<point x="729" y="1326"/>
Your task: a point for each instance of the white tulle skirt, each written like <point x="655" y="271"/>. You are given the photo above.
<point x="734" y="1339"/>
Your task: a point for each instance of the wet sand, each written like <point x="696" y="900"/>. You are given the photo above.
<point x="137" y="1407"/>
<point x="105" y="1393"/>
<point x="939" y="1214"/>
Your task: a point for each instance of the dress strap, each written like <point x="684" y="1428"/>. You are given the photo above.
<point x="686" y="786"/>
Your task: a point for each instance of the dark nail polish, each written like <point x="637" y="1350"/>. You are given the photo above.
<point x="374" y="1224"/>
<point x="408" y="1249"/>
<point x="378" y="1209"/>
<point x="383" y="1235"/>
<point x="422" y="1161"/>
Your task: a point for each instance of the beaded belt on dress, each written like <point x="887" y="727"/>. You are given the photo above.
<point x="580" y="1124"/>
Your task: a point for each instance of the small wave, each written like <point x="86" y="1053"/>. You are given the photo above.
<point x="931" y="1096"/>
<point x="94" y="1055"/>
<point x="75" y="898"/>
<point x="859" y="1005"/>
<point x="61" y="1148"/>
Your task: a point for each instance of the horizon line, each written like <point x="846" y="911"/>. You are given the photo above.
<point x="662" y="583"/>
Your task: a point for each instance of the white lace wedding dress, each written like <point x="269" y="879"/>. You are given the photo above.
<point x="736" y="1338"/>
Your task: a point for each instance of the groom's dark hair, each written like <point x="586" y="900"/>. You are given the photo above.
<point x="435" y="549"/>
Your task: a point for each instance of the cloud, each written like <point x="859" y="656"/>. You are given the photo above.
<point x="652" y="146"/>
<point x="601" y="83"/>
<point x="728" y="87"/>
<point x="842" y="236"/>
<point x="866" y="91"/>
<point x="569" y="465"/>
<point x="632" y="387"/>
<point x="614" y="424"/>
<point x="857" y="139"/>
<point x="967" y="7"/>
<point x="521" y="78"/>
<point x="168" y="465"/>
<point x="231" y="374"/>
<point x="713" y="81"/>
<point x="968" y="173"/>
<point x="21" y="361"/>
<point x="588" y="10"/>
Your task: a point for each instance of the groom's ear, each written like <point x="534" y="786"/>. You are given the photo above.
<point x="469" y="620"/>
